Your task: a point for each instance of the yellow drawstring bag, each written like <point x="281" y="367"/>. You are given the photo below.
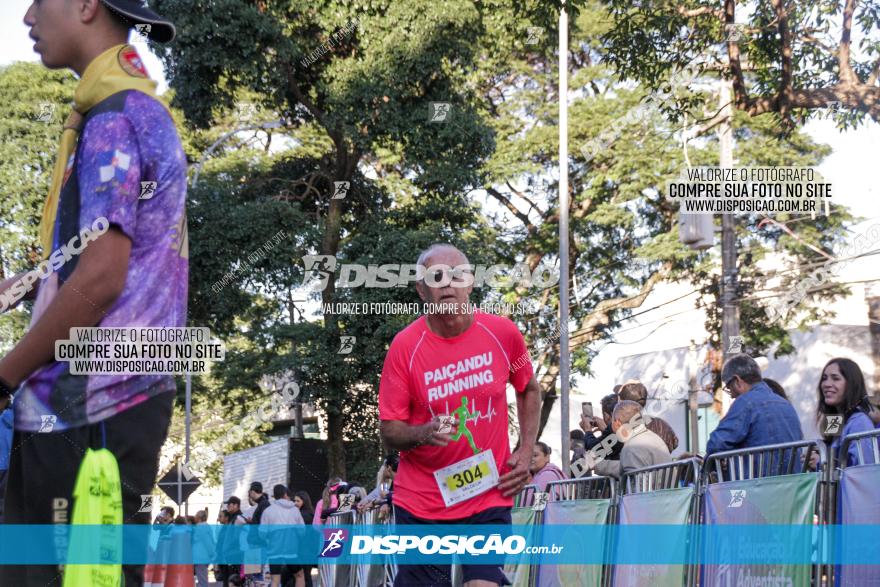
<point x="97" y="501"/>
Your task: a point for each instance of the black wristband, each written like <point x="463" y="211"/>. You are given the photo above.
<point x="6" y="390"/>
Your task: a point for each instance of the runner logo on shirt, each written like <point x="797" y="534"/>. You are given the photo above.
<point x="463" y="414"/>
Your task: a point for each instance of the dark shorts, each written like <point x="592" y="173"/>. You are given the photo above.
<point x="43" y="468"/>
<point x="441" y="575"/>
<point x="286" y="571"/>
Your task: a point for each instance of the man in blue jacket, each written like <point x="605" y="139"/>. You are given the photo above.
<point x="758" y="416"/>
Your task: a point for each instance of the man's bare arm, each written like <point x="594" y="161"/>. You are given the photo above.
<point x="528" y="411"/>
<point x="398" y="435"/>
<point x="528" y="406"/>
<point x="82" y="301"/>
<point x="7" y="284"/>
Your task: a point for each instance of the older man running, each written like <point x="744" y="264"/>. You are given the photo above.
<point x="455" y="363"/>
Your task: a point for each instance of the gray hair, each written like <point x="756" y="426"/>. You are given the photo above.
<point x="742" y="366"/>
<point x="423" y="256"/>
<point x="625" y="410"/>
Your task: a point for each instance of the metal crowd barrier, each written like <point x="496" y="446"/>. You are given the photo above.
<point x="360" y="574"/>
<point x="760" y="461"/>
<point x="668" y="476"/>
<point x="582" y="488"/>
<point x="338" y="575"/>
<point x="592" y="493"/>
<point x="844" y="507"/>
<point x="736" y="468"/>
<point x="679" y="483"/>
<point x="525" y="497"/>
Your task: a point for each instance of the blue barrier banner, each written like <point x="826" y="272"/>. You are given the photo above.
<point x="555" y="544"/>
<point x="667" y="506"/>
<point x="786" y="499"/>
<point x="858" y="504"/>
<point x="558" y="519"/>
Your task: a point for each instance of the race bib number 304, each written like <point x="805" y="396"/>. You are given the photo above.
<point x="467" y="478"/>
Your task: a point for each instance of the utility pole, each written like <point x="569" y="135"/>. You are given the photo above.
<point x="564" y="355"/>
<point x="729" y="303"/>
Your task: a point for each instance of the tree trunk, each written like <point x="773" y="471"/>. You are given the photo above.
<point x="345" y="166"/>
<point x="335" y="445"/>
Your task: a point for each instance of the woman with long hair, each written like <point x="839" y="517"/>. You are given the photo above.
<point x="842" y="391"/>
<point x="329" y="500"/>
<point x="304" y="503"/>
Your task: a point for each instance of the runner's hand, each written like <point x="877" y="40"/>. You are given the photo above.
<point x="514" y="480"/>
<point x="429" y="434"/>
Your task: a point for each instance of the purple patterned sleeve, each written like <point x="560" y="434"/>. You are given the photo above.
<point x="109" y="171"/>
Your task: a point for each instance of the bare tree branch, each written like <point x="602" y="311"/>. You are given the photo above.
<point x="509" y="205"/>
<point x="847" y="75"/>
<point x="701" y="11"/>
<point x="785" y="83"/>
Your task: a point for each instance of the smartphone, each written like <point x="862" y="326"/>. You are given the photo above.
<point x="587" y="409"/>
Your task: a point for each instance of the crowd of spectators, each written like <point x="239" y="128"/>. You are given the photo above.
<point x="627" y="437"/>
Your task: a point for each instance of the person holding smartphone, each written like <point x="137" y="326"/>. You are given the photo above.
<point x="602" y="426"/>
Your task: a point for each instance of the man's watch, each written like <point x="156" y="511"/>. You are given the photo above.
<point x="6" y="390"/>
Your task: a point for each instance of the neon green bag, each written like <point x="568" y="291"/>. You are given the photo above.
<point x="97" y="501"/>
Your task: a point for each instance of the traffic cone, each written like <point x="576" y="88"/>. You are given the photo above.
<point x="181" y="575"/>
<point x="157" y="575"/>
<point x="158" y="567"/>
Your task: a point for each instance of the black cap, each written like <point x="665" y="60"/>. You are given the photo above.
<point x="234" y="500"/>
<point x="136" y="12"/>
<point x="257" y="486"/>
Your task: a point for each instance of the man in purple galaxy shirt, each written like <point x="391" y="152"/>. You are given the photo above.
<point x="132" y="273"/>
